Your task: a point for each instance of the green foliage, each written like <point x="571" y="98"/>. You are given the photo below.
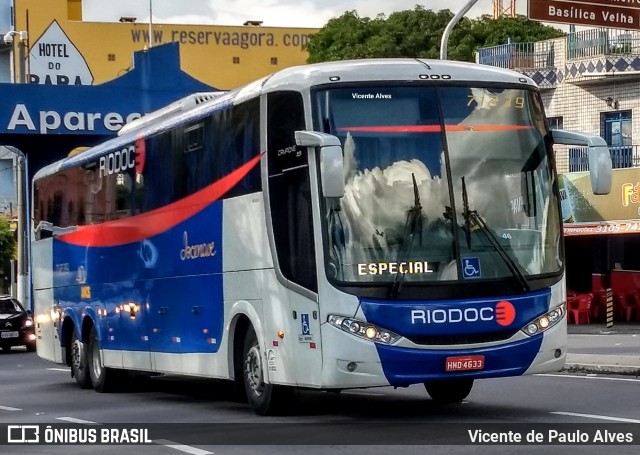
<point x="7" y="242"/>
<point x="417" y="33"/>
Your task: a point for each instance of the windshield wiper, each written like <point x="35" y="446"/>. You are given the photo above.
<point x="413" y="224"/>
<point x="484" y="228"/>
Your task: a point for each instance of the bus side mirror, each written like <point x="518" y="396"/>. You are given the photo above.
<point x="331" y="160"/>
<point x="600" y="167"/>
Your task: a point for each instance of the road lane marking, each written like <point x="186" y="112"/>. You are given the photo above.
<point x="602" y="378"/>
<point x="182" y="447"/>
<point x="74" y="420"/>
<point x="9" y="408"/>
<point x="65" y="370"/>
<point x="595" y="416"/>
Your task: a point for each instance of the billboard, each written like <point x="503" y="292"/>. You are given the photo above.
<point x="593" y="13"/>
<point x="616" y="213"/>
<point x="72" y="52"/>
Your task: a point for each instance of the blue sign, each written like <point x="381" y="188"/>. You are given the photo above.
<point x="155" y="81"/>
<point x="306" y="330"/>
<point x="471" y="268"/>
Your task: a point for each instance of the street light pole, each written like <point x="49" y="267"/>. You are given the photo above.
<point x="444" y="42"/>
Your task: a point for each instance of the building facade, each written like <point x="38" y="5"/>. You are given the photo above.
<point x="590" y="82"/>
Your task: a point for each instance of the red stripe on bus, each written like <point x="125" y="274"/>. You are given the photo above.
<point x="139" y="227"/>
<point x="432" y="128"/>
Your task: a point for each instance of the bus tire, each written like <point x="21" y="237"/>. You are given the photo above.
<point x="79" y="365"/>
<point x="264" y="399"/>
<point x="449" y="391"/>
<point x="103" y="380"/>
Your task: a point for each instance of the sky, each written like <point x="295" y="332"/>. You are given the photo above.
<point x="273" y="13"/>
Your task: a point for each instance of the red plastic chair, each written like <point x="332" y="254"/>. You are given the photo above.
<point x="625" y="307"/>
<point x="580" y="307"/>
<point x="632" y="308"/>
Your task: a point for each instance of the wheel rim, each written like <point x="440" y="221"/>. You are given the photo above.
<point x="253" y="371"/>
<point x="96" y="361"/>
<point x="76" y="354"/>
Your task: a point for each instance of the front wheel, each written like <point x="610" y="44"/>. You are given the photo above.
<point x="265" y="399"/>
<point x="103" y="379"/>
<point x="449" y="391"/>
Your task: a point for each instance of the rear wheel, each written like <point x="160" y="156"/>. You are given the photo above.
<point x="79" y="366"/>
<point x="103" y="379"/>
<point x="265" y="399"/>
<point x="449" y="391"/>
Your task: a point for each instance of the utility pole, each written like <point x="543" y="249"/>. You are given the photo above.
<point x="150" y="24"/>
<point x="23" y="282"/>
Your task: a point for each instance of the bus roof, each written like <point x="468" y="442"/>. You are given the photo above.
<point x="395" y="69"/>
<point x="300" y="78"/>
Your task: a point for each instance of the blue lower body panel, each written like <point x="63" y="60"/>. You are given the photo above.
<point x="405" y="366"/>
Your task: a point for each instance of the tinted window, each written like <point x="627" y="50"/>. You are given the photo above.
<point x="177" y="163"/>
<point x="290" y="194"/>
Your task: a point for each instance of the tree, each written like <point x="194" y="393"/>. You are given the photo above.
<point x="492" y="32"/>
<point x="417" y="33"/>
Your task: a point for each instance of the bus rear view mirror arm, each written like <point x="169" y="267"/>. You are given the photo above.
<point x="331" y="160"/>
<point x="600" y="166"/>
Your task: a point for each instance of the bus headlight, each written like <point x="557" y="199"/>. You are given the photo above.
<point x="364" y="330"/>
<point x="546" y="321"/>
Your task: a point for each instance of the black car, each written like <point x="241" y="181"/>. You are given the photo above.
<point x="16" y="325"/>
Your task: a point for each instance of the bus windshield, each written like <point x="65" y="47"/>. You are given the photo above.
<point x="444" y="183"/>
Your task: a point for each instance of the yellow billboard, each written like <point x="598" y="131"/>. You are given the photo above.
<point x="615" y="213"/>
<point x="62" y="49"/>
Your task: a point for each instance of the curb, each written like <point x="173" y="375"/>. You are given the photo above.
<point x="629" y="370"/>
<point x="605" y="364"/>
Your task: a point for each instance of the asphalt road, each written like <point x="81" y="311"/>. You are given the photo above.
<point x="33" y="391"/>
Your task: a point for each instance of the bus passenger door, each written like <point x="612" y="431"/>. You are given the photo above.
<point x="290" y="204"/>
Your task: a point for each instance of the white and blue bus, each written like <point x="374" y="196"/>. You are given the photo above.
<point x="331" y="226"/>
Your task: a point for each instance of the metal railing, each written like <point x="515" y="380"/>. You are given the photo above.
<point x="593" y="42"/>
<point x="540" y="54"/>
<point x="584" y="44"/>
<point x="576" y="159"/>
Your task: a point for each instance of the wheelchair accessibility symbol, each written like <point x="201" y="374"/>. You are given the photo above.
<point x="306" y="330"/>
<point x="471" y="268"/>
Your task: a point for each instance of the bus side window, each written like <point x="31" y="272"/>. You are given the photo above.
<point x="289" y="190"/>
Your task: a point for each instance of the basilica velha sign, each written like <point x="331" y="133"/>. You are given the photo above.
<point x="623" y="14"/>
